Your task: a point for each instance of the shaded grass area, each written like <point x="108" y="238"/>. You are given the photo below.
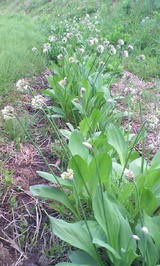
<point x="18" y="36"/>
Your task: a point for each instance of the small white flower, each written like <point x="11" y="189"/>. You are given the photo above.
<point x="142" y="57"/>
<point x="69" y="35"/>
<point x="81" y="50"/>
<point x="52" y="38"/>
<point x="46" y="48"/>
<point x="105" y="42"/>
<point x="129" y="175"/>
<point x="87" y="145"/>
<point x="63" y="82"/>
<point x="112" y="50"/>
<point x="130" y="47"/>
<point x="101" y="63"/>
<point x="75" y="100"/>
<point x="91" y="42"/>
<point x="125" y="53"/>
<point x="68" y="175"/>
<point x="72" y="60"/>
<point x="34" y="49"/>
<point x="135" y="237"/>
<point x="95" y="40"/>
<point x="46" y="45"/>
<point x="120" y="42"/>
<point x="60" y="56"/>
<point x="82" y="92"/>
<point x="145" y="230"/>
<point x="8" y="112"/>
<point x="38" y="102"/>
<point x="100" y="49"/>
<point x="64" y="40"/>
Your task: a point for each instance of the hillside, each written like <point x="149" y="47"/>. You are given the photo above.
<point x="79" y="133"/>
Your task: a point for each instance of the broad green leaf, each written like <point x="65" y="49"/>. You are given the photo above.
<point x="153" y="225"/>
<point x="136" y="165"/>
<point x="81" y="257"/>
<point x="150" y="181"/>
<point x="89" y="124"/>
<point x="78" y="106"/>
<point x="116" y="139"/>
<point x="115" y="226"/>
<point x="99" y="170"/>
<point x="148" y="249"/>
<point x="148" y="201"/>
<point x="81" y="173"/>
<point x="76" y="234"/>
<point x="107" y="246"/>
<point x="76" y="145"/>
<point x="55" y="179"/>
<point x="52" y="193"/>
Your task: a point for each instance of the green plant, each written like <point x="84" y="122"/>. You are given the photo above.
<point x="94" y="183"/>
<point x="17" y="131"/>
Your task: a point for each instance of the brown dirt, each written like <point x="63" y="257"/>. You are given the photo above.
<point x="24" y="230"/>
<point x="148" y="95"/>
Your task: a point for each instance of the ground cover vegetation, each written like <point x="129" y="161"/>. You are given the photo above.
<point x="99" y="124"/>
<point x="18" y="36"/>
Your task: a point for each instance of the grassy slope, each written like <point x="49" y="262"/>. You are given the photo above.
<point x="18" y="44"/>
<point x="16" y="57"/>
<point x="18" y="35"/>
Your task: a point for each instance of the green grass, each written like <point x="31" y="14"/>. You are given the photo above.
<point x="18" y="35"/>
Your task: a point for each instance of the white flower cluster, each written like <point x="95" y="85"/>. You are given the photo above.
<point x="63" y="82"/>
<point x="46" y="48"/>
<point x="112" y="50"/>
<point x="120" y="42"/>
<point x="69" y="35"/>
<point x="100" y="49"/>
<point x="81" y="50"/>
<point x="92" y="41"/>
<point x="38" y="102"/>
<point x="22" y="85"/>
<point x="125" y="53"/>
<point x="68" y="175"/>
<point x="52" y="38"/>
<point x="82" y="92"/>
<point x="8" y="112"/>
<point x="129" y="175"/>
<point x="105" y="42"/>
<point x="142" y="57"/>
<point x="72" y="60"/>
<point x="60" y="56"/>
<point x="34" y="49"/>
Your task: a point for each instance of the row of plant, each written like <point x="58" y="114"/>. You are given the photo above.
<point x="108" y="194"/>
